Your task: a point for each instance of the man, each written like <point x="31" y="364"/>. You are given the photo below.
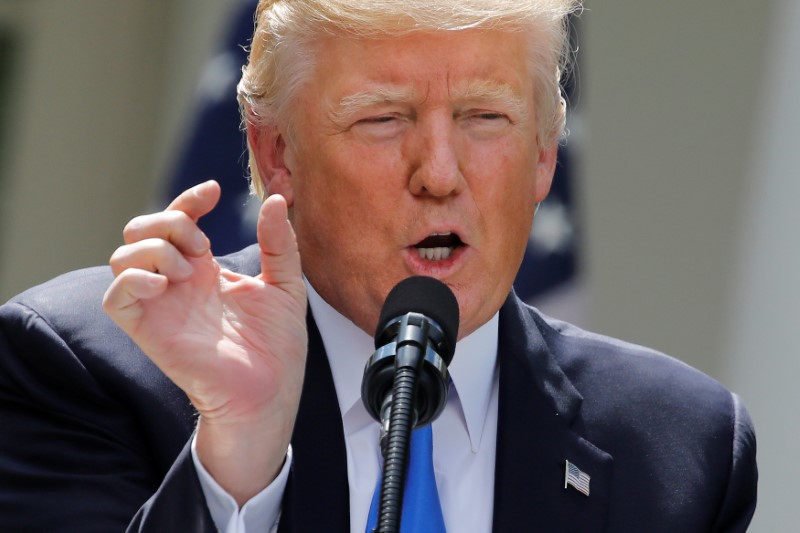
<point x="388" y="139"/>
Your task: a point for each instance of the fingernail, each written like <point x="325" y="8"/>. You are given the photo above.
<point x="184" y="269"/>
<point x="201" y="189"/>
<point x="201" y="242"/>
<point x="205" y="187"/>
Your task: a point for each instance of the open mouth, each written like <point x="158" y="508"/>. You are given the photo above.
<point x="438" y="246"/>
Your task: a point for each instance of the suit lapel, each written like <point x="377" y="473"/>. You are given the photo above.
<point x="538" y="430"/>
<point x="317" y="496"/>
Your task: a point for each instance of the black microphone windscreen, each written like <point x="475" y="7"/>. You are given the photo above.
<point x="426" y="296"/>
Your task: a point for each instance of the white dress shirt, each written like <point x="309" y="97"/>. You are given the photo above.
<point x="464" y="436"/>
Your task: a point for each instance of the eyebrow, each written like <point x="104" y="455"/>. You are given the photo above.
<point x="493" y="92"/>
<point x="353" y="103"/>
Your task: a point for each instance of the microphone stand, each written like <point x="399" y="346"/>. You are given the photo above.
<point x="395" y="448"/>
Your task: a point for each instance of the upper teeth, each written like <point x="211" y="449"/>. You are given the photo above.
<point x="435" y="254"/>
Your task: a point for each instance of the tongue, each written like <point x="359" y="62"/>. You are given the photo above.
<point x="439" y="241"/>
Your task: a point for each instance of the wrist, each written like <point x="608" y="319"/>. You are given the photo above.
<point x="242" y="457"/>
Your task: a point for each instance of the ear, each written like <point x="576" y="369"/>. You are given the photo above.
<point x="545" y="168"/>
<point x="267" y="148"/>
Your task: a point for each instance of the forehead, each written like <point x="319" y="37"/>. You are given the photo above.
<point x="463" y="63"/>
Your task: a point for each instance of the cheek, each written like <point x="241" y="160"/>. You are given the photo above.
<point x="507" y="203"/>
<point x="339" y="206"/>
<point x="507" y="182"/>
<point x="363" y="189"/>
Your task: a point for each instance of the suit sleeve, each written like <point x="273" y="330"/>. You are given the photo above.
<point x="739" y="502"/>
<point x="72" y="455"/>
<point x="178" y="504"/>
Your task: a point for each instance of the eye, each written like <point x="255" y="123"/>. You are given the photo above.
<point x="491" y="116"/>
<point x="379" y="127"/>
<point x="486" y="122"/>
<point x="379" y="120"/>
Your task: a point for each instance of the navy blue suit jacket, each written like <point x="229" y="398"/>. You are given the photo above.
<point x="93" y="437"/>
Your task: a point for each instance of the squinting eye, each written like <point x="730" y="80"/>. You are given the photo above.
<point x="379" y="127"/>
<point x="383" y="119"/>
<point x="486" y="123"/>
<point x="490" y="116"/>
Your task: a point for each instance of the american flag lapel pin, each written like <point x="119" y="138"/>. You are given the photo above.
<point x="578" y="479"/>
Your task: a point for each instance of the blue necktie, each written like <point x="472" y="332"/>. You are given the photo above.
<point x="422" y="512"/>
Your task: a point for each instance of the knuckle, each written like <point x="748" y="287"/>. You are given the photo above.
<point x="159" y="249"/>
<point x="134" y="228"/>
<point x="108" y="299"/>
<point x="155" y="225"/>
<point x="117" y="259"/>
<point x="179" y="217"/>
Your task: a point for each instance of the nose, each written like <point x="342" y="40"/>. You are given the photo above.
<point x="436" y="170"/>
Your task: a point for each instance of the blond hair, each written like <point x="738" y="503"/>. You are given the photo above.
<point x="281" y="53"/>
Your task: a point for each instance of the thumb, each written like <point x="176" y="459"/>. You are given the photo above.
<point x="280" y="257"/>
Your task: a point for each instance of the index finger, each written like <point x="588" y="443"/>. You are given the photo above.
<point x="197" y="201"/>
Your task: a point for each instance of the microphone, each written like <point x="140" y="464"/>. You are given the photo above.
<point x="417" y="331"/>
<point x="405" y="380"/>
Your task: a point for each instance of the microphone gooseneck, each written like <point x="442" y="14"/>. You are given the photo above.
<point x="405" y="380"/>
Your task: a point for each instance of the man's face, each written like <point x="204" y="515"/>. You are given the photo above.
<point x="416" y="156"/>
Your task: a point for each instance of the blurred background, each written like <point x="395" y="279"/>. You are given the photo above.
<point x="673" y="225"/>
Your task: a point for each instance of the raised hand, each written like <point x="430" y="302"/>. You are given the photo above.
<point x="235" y="344"/>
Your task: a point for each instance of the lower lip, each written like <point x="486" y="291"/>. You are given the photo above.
<point x="437" y="269"/>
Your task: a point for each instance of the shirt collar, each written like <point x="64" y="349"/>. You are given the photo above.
<point x="348" y="348"/>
